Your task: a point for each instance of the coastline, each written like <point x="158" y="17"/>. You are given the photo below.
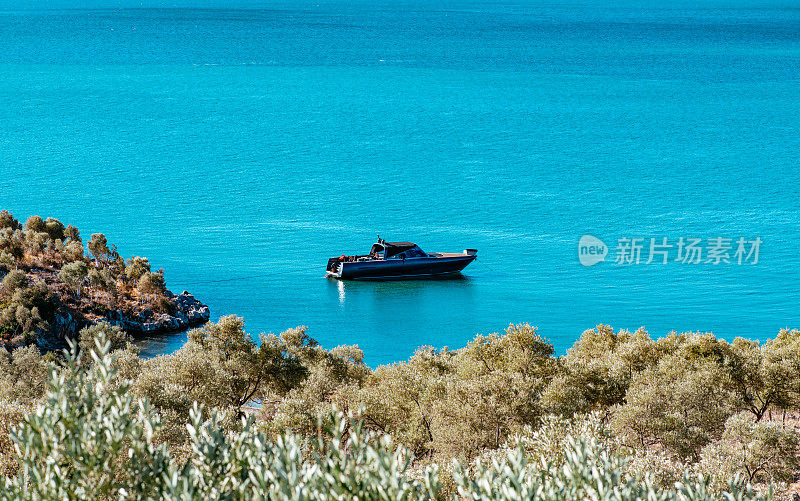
<point x="189" y="313"/>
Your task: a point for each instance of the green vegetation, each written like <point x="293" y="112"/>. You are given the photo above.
<point x="94" y="437"/>
<point x="44" y="272"/>
<point x="620" y="416"/>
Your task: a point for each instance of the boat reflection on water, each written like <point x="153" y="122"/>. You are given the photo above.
<point x="399" y="288"/>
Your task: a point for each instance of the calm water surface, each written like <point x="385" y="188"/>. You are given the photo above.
<point x="240" y="148"/>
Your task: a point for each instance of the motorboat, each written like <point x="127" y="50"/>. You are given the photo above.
<point x="398" y="260"/>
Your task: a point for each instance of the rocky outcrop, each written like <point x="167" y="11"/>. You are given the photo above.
<point x="65" y="325"/>
<point x="188" y="312"/>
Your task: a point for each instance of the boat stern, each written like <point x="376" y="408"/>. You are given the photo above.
<point x="334" y="268"/>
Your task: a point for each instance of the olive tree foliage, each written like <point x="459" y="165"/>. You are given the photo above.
<point x="73" y="251"/>
<point x="72" y="234"/>
<point x="12" y="252"/>
<point x="54" y="228"/>
<point x="401" y="399"/>
<point x="678" y="405"/>
<point x="7" y="261"/>
<point x="23" y="376"/>
<point x="761" y="451"/>
<point x="152" y="284"/>
<point x="333" y="378"/>
<point x="13" y="281"/>
<point x="675" y="393"/>
<point x="450" y="403"/>
<point x="494" y="390"/>
<point x="89" y="439"/>
<point x="763" y="376"/>
<point x="136" y="268"/>
<point x="23" y="373"/>
<point x="35" y="224"/>
<point x="7" y="221"/>
<point x="11" y="415"/>
<point x="92" y="439"/>
<point x="25" y="312"/>
<point x="114" y="335"/>
<point x="220" y="366"/>
<point x="345" y="461"/>
<point x="245" y="369"/>
<point x="783" y="357"/>
<point x="588" y="470"/>
<point x="74" y="275"/>
<point x="597" y="371"/>
<point x="101" y="279"/>
<point x="682" y="402"/>
<point x="98" y="247"/>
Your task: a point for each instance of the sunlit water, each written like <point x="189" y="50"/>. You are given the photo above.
<point x="239" y="149"/>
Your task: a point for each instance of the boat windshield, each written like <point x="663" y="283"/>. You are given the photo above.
<point x="398" y="250"/>
<point x="376" y="249"/>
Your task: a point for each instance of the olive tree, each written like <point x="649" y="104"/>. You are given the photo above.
<point x="762" y="377"/>
<point x="72" y="234"/>
<point x="90" y="439"/>
<point x="13" y="281"/>
<point x="22" y="374"/>
<point x="680" y="404"/>
<point x="54" y="229"/>
<point x="7" y="260"/>
<point x="7" y="221"/>
<point x="220" y="366"/>
<point x="114" y="335"/>
<point x="74" y="275"/>
<point x="103" y="254"/>
<point x="334" y="378"/>
<point x="73" y="251"/>
<point x="152" y="283"/>
<point x="35" y="224"/>
<point x="98" y="246"/>
<point x="137" y="267"/>
<point x="598" y="369"/>
<point x="760" y="451"/>
<point x="400" y="399"/>
<point x="26" y="313"/>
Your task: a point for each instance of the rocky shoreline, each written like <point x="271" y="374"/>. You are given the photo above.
<point x="189" y="312"/>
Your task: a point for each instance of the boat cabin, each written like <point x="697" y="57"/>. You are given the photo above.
<point x="395" y="250"/>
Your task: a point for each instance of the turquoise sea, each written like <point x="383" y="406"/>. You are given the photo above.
<point x="239" y="145"/>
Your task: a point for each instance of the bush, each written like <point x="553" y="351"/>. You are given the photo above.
<point x="162" y="305"/>
<point x="91" y="439"/>
<point x="116" y="338"/>
<point x="74" y="275"/>
<point x="7" y="221"/>
<point x="54" y="228"/>
<point x="137" y="267"/>
<point x="759" y="451"/>
<point x="35" y="224"/>
<point x="152" y="283"/>
<point x="27" y="313"/>
<point x="13" y="281"/>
